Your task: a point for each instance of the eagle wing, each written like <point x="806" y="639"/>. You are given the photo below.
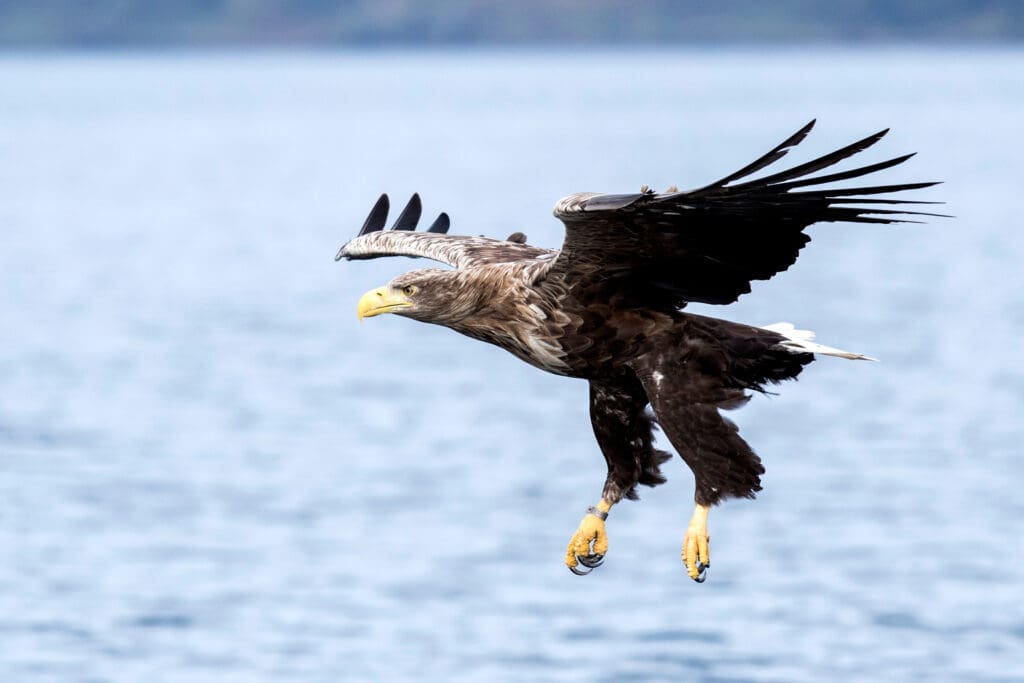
<point x="457" y="251"/>
<point x="707" y="245"/>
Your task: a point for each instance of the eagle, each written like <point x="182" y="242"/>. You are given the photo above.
<point x="608" y="308"/>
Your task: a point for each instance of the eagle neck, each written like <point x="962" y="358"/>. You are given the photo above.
<point x="516" y="315"/>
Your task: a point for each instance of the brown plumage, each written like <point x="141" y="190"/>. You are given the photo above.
<point x="607" y="307"/>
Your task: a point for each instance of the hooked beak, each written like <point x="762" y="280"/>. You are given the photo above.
<point x="381" y="300"/>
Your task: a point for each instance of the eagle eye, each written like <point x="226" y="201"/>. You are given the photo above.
<point x="409" y="290"/>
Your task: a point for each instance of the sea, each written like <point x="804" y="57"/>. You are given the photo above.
<point x="210" y="471"/>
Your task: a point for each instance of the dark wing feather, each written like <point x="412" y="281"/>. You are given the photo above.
<point x="771" y="157"/>
<point x="378" y="216"/>
<point x="410" y="215"/>
<point x="706" y="245"/>
<point x="440" y="224"/>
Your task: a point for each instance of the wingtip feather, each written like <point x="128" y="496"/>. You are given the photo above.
<point x="378" y="216"/>
<point x="441" y="224"/>
<point x="410" y="215"/>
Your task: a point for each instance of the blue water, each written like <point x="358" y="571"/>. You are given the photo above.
<point x="209" y="471"/>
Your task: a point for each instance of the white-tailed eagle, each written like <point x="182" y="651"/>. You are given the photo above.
<point x="607" y="308"/>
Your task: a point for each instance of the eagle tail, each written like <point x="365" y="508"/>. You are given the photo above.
<point x="802" y="341"/>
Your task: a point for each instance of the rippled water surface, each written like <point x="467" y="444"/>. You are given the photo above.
<point x="209" y="471"/>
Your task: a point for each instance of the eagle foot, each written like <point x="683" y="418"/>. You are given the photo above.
<point x="696" y="553"/>
<point x="588" y="545"/>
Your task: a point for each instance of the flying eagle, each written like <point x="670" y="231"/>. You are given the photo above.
<point x="607" y="308"/>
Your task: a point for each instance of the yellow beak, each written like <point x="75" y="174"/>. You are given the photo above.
<point x="381" y="300"/>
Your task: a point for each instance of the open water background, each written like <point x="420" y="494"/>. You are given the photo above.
<point x="210" y="472"/>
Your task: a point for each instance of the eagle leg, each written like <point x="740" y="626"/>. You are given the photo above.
<point x="696" y="554"/>
<point x="624" y="432"/>
<point x="590" y="542"/>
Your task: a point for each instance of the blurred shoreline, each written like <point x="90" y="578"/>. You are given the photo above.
<point x="581" y="51"/>
<point x="529" y="23"/>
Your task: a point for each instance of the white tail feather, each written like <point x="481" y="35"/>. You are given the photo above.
<point x="802" y="341"/>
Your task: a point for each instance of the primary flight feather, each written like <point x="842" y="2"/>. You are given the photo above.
<point x="607" y="308"/>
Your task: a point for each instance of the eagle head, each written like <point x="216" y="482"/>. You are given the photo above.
<point x="432" y="295"/>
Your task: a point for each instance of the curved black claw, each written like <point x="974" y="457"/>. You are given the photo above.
<point x="702" y="572"/>
<point x="580" y="572"/>
<point x="592" y="561"/>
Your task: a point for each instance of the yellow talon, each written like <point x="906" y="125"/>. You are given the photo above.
<point x="589" y="544"/>
<point x="696" y="554"/>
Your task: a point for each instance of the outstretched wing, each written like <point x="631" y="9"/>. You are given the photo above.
<point x="706" y="245"/>
<point x="457" y="251"/>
